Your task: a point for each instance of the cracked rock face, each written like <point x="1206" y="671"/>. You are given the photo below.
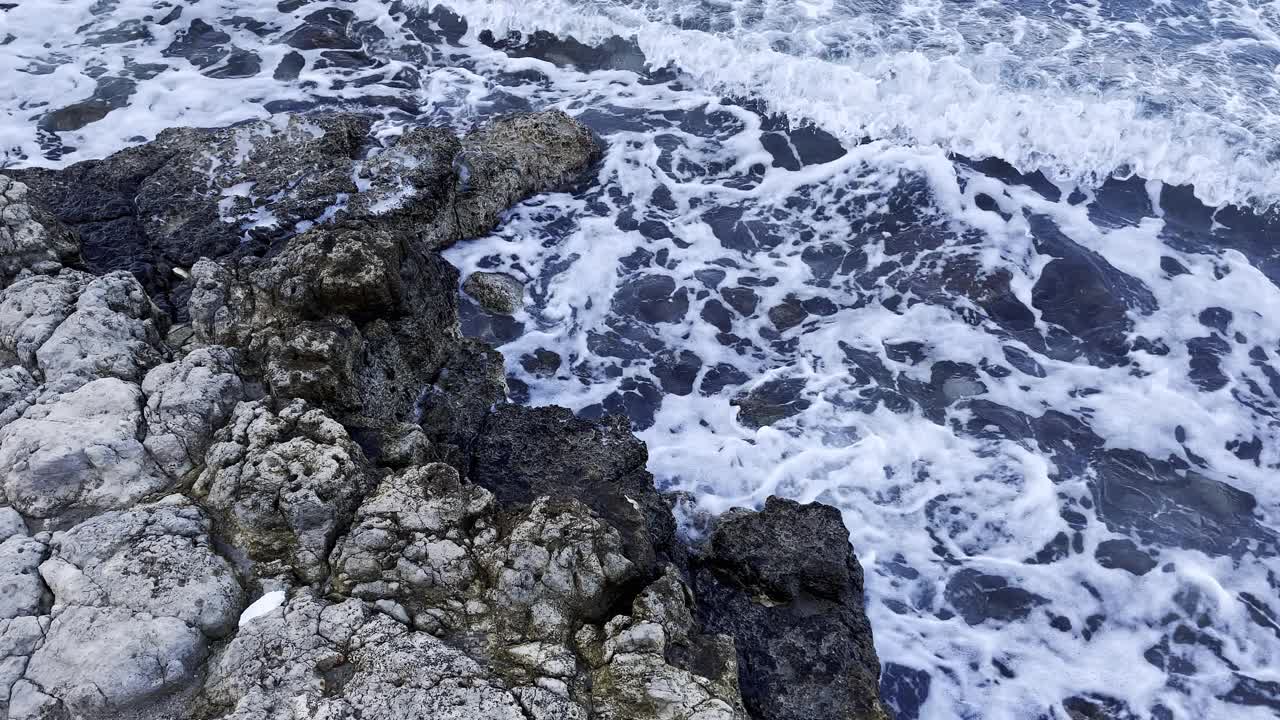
<point x="654" y="662"/>
<point x="299" y="420"/>
<point x="138" y="595"/>
<point x="154" y="559"/>
<point x="78" y="453"/>
<point x="319" y="660"/>
<point x="187" y="401"/>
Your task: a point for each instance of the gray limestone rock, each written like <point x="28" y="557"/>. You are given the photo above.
<point x="282" y="484"/>
<point x="101" y="662"/>
<point x="111" y="333"/>
<point x="321" y="660"/>
<point x="30" y="238"/>
<point x="19" y="639"/>
<point x="32" y="308"/>
<point x="78" y="453"/>
<point x="18" y="391"/>
<point x="21" y="590"/>
<point x="654" y="663"/>
<point x="155" y="559"/>
<point x="187" y="401"/>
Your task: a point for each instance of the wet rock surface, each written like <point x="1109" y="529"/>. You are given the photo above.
<point x="280" y="483"/>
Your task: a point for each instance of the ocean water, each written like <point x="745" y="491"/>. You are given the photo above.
<point x="1001" y="281"/>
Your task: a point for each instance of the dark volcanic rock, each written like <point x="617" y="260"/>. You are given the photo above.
<point x="196" y="193"/>
<point x="529" y="452"/>
<point x="771" y="402"/>
<point x="496" y="292"/>
<point x="356" y="321"/>
<point x="785" y="585"/>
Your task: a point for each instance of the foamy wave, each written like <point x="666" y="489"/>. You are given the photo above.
<point x="1079" y="137"/>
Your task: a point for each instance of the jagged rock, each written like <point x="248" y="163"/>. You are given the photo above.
<point x="525" y="453"/>
<point x="110" y="334"/>
<point x="438" y="548"/>
<point x="654" y="663"/>
<point x="195" y="193"/>
<point x="154" y="559"/>
<point x="282" y="484"/>
<point x="19" y="638"/>
<point x="529" y="575"/>
<point x="784" y="583"/>
<point x="78" y="453"/>
<point x="355" y="321"/>
<point x="30" y="238"/>
<point x="455" y="407"/>
<point x="496" y="292"/>
<point x="17" y="393"/>
<point x="187" y="401"/>
<point x="320" y="660"/>
<point x="413" y="540"/>
<point x="514" y="157"/>
<point x="11" y="523"/>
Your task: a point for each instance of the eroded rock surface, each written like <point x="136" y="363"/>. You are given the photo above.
<point x="253" y="393"/>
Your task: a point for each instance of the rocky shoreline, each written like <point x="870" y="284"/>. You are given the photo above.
<point x="234" y="376"/>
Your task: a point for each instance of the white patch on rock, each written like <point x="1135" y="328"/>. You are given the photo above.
<point x="263" y="605"/>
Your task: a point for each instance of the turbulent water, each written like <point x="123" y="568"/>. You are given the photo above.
<point x="1000" y="281"/>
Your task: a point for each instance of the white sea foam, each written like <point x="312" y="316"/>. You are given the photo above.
<point x="914" y="491"/>
<point x="982" y="97"/>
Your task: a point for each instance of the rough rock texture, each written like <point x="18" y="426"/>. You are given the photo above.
<point x="138" y="595"/>
<point x="78" y="453"/>
<point x="30" y="239"/>
<point x="531" y="452"/>
<point x="355" y="321"/>
<point x="785" y="585"/>
<point x="496" y="292"/>
<point x="275" y="402"/>
<point x="312" y="659"/>
<point x="187" y="401"/>
<point x="195" y="193"/>
<point x="283" y="484"/>
<point x="655" y="662"/>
